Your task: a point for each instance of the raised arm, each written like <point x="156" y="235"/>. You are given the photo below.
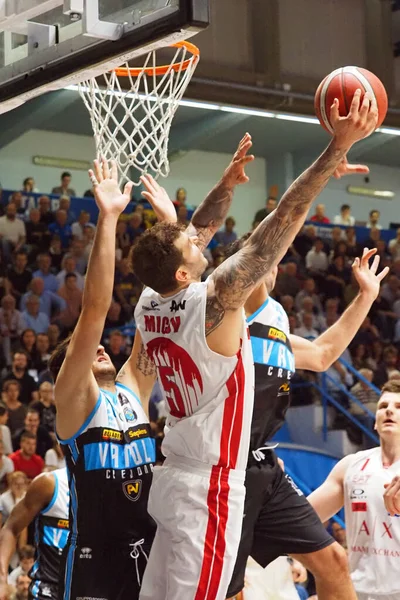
<point x="38" y="496"/>
<point x="322" y="352"/>
<point x="76" y="390"/>
<point x="233" y="281"/>
<point x="328" y="499"/>
<point x="211" y="213"/>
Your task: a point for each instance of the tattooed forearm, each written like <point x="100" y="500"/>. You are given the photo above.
<point x="235" y="278"/>
<point x="211" y="213"/>
<point x="144" y="364"/>
<point x="214" y="314"/>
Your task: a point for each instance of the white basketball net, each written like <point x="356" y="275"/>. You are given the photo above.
<point x="131" y="116"/>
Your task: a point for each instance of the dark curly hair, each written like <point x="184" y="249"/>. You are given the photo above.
<point x="154" y="257"/>
<point x="57" y="358"/>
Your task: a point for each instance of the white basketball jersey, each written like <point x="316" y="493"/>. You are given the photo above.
<point x="59" y="506"/>
<point x="373" y="536"/>
<point x="209" y="396"/>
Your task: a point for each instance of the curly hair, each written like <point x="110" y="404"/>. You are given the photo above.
<point x="154" y="258"/>
<point x="57" y="357"/>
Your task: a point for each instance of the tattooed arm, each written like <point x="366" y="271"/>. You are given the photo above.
<point x="139" y="372"/>
<point x="211" y="213"/>
<point x="233" y="281"/>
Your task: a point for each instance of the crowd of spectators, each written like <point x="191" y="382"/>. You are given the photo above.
<point x="43" y="260"/>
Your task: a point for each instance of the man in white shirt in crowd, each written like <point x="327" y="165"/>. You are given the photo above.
<point x="306" y="330"/>
<point x="316" y="259"/>
<point x="12" y="231"/>
<point x="345" y="217"/>
<point x="69" y="266"/>
<point x="78" y="228"/>
<point x="373" y="222"/>
<point x="34" y="319"/>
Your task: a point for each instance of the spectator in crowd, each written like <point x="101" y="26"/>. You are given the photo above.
<point x="288" y="282"/>
<point x="22" y="588"/>
<point x="367" y="397"/>
<point x="65" y="204"/>
<point x="18" y="372"/>
<point x="316" y="259"/>
<point x="353" y="249"/>
<point x="115" y="316"/>
<point x="42" y="349"/>
<point x="69" y="266"/>
<point x="88" y="239"/>
<point x="77" y="251"/>
<point x="27" y="344"/>
<point x="25" y="459"/>
<point x="56" y="252"/>
<point x="373" y="221"/>
<point x="345" y="217"/>
<point x="390" y="290"/>
<point x="44" y="205"/>
<point x="123" y="239"/>
<point x="45" y="407"/>
<point x="182" y="215"/>
<point x="264" y="212"/>
<point x="336" y="237"/>
<point x="34" y="319"/>
<point x="72" y="297"/>
<point x="309" y="289"/>
<point x="180" y="197"/>
<point x="78" y="228"/>
<point x="338" y="275"/>
<point x="374" y="237"/>
<point x="383" y="317"/>
<point x="359" y="356"/>
<point x="227" y="235"/>
<point x="5" y="434"/>
<point x="19" y="201"/>
<point x="15" y="410"/>
<point x="127" y="288"/>
<point x="331" y="310"/>
<point x="6" y="467"/>
<point x="53" y="333"/>
<point x="55" y="458"/>
<point x="367" y="334"/>
<point x="64" y="189"/>
<point x="306" y="329"/>
<point x="305" y="241"/>
<point x="12" y="231"/>
<point x="26" y="562"/>
<point x="318" y="321"/>
<point x="320" y="216"/>
<point x="51" y="283"/>
<point x="386" y="367"/>
<point x="37" y="235"/>
<point x="115" y="349"/>
<point x="19" y="276"/>
<point x="61" y="228"/>
<point x="136" y="225"/>
<point x="350" y="290"/>
<point x="375" y="354"/>
<point x="288" y="303"/>
<point x="32" y="424"/>
<point x="394" y="246"/>
<point x="49" y="302"/>
<point x="11" y="326"/>
<point x="18" y="486"/>
<point x="29" y="186"/>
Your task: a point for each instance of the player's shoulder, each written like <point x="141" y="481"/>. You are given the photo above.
<point x="359" y="458"/>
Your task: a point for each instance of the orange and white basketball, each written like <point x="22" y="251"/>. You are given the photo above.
<point x="341" y="84"/>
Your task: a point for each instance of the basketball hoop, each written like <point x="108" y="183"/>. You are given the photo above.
<point x="131" y="124"/>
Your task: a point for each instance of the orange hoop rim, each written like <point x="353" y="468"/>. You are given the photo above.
<point x="163" y="69"/>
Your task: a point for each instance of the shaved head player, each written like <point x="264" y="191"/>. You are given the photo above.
<point x="196" y="335"/>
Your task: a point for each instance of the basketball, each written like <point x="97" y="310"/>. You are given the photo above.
<point x="341" y="84"/>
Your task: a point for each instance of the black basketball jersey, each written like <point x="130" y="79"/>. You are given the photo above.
<point x="51" y="535"/>
<point x="110" y="463"/>
<point x="274" y="367"/>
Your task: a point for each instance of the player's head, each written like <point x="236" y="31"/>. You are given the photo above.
<point x="102" y="367"/>
<point x="166" y="259"/>
<point x="387" y="422"/>
<point x="270" y="278"/>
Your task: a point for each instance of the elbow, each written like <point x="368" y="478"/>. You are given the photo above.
<point x="322" y="361"/>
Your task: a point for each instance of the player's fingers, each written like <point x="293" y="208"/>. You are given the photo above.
<point x="367" y="254"/>
<point x="375" y="264"/>
<point x="357" y="169"/>
<point x="356" y="263"/>
<point x="93" y="178"/>
<point x="114" y="170"/>
<point x="355" y="103"/>
<point x="98" y="170"/>
<point x="365" y="106"/>
<point x="383" y="274"/>
<point x="128" y="189"/>
<point x="106" y="168"/>
<point x="247" y="159"/>
<point x="334" y="112"/>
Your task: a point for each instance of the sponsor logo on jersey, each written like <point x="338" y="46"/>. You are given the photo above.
<point x="133" y="433"/>
<point x="112" y="434"/>
<point x="162" y="325"/>
<point x="153" y="306"/>
<point x="46" y="591"/>
<point x="360" y="478"/>
<point x="86" y="553"/>
<point x="275" y="334"/>
<point x="112" y="455"/>
<point x="63" y="523"/>
<point x="357" y="494"/>
<point x="359" y="507"/>
<point x="56" y="537"/>
<point x="175" y="306"/>
<point x="294" y="486"/>
<point x="284" y="389"/>
<point x="132" y="489"/>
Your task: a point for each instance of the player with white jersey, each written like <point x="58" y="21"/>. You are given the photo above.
<point x="358" y="483"/>
<point x="196" y="335"/>
<point x="46" y="501"/>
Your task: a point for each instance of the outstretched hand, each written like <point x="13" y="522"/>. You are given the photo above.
<point x="109" y="198"/>
<point x="391" y="496"/>
<point x="159" y="199"/>
<point x="235" y="172"/>
<point x="365" y="274"/>
<point x="359" y="123"/>
<point x="346" y="169"/>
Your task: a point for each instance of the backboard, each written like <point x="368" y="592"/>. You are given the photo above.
<point x="46" y="45"/>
